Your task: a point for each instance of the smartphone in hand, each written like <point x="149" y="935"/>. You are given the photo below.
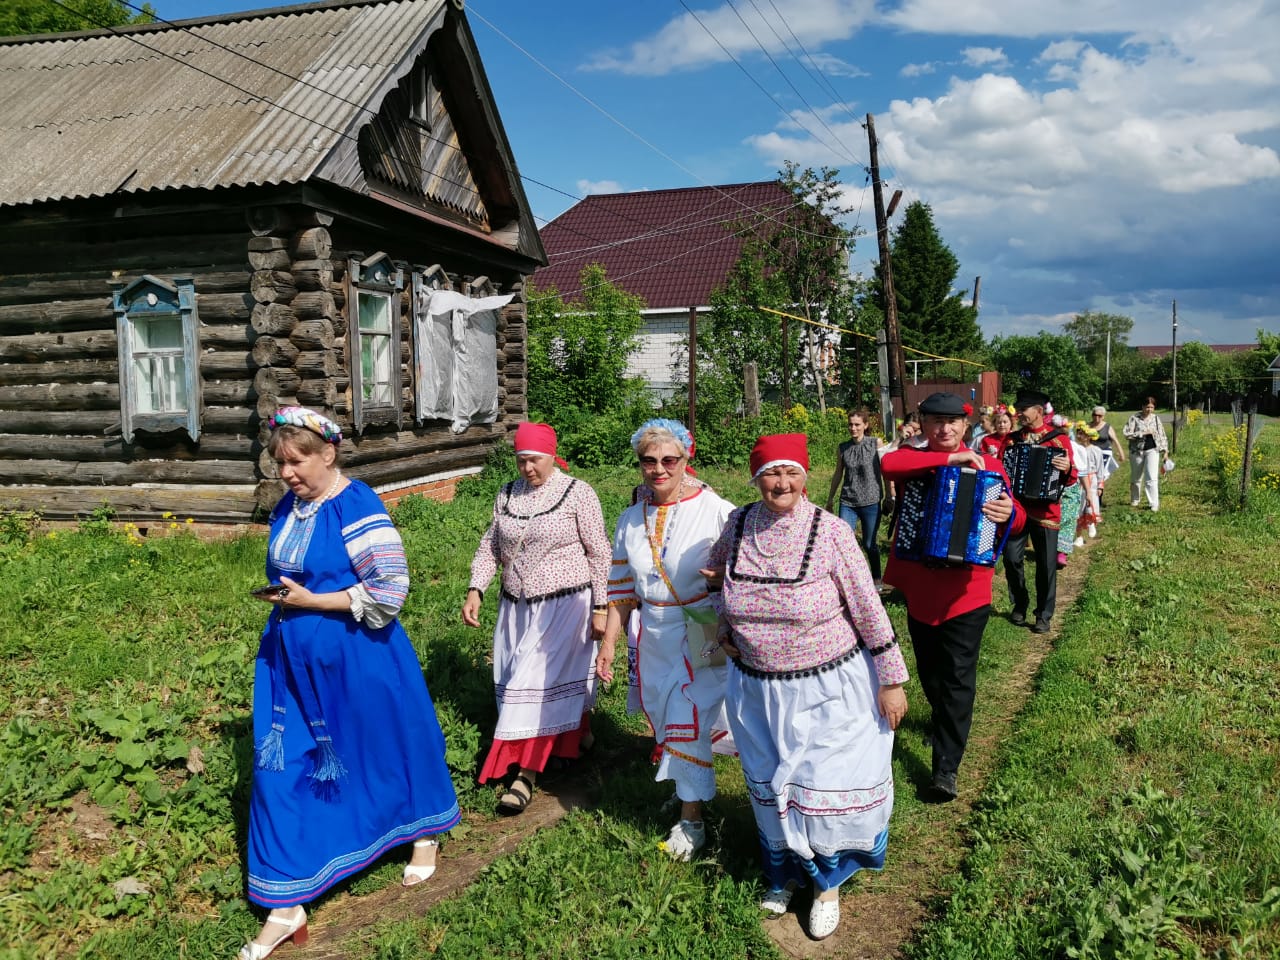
<point x="270" y="591"/>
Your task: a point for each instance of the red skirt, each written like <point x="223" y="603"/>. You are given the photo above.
<point x="533" y="753"/>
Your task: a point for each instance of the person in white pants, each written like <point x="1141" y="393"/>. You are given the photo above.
<point x="1147" y="447"/>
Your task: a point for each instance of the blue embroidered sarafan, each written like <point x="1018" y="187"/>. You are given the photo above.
<point x="351" y="757"/>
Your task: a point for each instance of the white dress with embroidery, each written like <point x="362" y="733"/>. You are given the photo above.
<point x="657" y="553"/>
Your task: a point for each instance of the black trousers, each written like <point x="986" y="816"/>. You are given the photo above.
<point x="947" y="665"/>
<point x="1046" y="546"/>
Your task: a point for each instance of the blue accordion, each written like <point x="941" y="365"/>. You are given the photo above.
<point x="940" y="518"/>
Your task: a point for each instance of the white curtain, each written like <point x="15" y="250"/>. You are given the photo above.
<point x="456" y="357"/>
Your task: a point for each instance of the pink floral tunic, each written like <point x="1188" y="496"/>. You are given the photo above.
<point x="798" y="593"/>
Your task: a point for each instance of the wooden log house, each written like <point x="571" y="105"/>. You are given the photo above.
<point x="203" y="221"/>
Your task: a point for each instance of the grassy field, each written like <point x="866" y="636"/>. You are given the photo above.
<point x="1132" y="812"/>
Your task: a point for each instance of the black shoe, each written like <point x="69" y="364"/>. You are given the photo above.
<point x="1018" y="618"/>
<point x="1042" y="626"/>
<point x="943" y="787"/>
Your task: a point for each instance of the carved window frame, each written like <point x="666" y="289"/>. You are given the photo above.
<point x="375" y="280"/>
<point x="138" y="305"/>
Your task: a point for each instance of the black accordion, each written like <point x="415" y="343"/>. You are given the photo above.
<point x="1032" y="475"/>
<point x="940" y="518"/>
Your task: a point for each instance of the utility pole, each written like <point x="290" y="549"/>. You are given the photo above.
<point x="977" y="285"/>
<point x="1106" y="383"/>
<point x="786" y="366"/>
<point x="896" y="370"/>
<point x="693" y="368"/>
<point x="1175" y="378"/>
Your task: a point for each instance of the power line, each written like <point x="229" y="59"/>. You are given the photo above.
<point x="782" y="74"/>
<point x="762" y="213"/>
<point x="472" y="11"/>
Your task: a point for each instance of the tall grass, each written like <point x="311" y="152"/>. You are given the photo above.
<point x="1134" y="813"/>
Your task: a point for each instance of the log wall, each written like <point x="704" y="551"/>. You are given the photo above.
<point x="271" y="298"/>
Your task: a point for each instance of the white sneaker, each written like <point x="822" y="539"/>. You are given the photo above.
<point x="685" y="839"/>
<point x="1079" y="541"/>
<point x="1093" y="531"/>
<point x="1133" y="503"/>
<point x="824" y="917"/>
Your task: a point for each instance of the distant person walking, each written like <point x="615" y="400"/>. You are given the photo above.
<point x="1147" y="447"/>
<point x="857" y="478"/>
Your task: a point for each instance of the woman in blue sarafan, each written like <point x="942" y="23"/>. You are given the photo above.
<point x="350" y="758"/>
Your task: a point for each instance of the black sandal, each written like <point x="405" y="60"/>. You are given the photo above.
<point x="520" y="800"/>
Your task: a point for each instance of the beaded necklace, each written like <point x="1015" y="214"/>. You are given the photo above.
<point x="659" y="548"/>
<point x="316" y="504"/>
<point x="779" y="520"/>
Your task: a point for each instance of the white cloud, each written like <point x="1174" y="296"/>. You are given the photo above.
<point x="984" y="56"/>
<point x="1127" y="174"/>
<point x="1061" y="50"/>
<point x="588" y="187"/>
<point x="918" y="69"/>
<point x="686" y="42"/>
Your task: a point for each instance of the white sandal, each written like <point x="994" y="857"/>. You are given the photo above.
<point x="777" y="901"/>
<point x="295" y="929"/>
<point x="414" y="875"/>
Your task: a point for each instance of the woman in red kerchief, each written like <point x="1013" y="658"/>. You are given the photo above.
<point x="548" y="538"/>
<point x="816" y="692"/>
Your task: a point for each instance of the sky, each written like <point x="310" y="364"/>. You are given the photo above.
<point x="1076" y="154"/>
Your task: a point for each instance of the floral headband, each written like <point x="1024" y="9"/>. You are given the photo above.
<point x="307" y="419"/>
<point x="673" y="427"/>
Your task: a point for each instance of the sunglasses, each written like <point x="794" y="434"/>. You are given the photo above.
<point x="668" y="463"/>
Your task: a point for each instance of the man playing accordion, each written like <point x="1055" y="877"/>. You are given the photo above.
<point x="947" y="606"/>
<point x="1044" y="517"/>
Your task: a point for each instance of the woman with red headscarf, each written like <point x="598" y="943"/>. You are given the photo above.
<point x="548" y="538"/>
<point x="816" y="692"/>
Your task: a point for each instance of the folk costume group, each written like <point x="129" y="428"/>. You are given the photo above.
<point x="757" y="630"/>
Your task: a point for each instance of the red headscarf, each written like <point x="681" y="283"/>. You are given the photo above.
<point x="537" y="438"/>
<point x="780" y="449"/>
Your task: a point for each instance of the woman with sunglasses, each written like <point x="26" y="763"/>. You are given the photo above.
<point x="660" y="551"/>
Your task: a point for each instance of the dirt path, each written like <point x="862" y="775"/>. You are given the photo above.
<point x="486" y="841"/>
<point x="880" y="911"/>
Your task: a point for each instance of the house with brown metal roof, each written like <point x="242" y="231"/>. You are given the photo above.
<point x="206" y="220"/>
<point x="670" y="247"/>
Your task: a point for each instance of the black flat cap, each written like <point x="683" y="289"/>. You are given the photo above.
<point x="1030" y="398"/>
<point x="943" y="405"/>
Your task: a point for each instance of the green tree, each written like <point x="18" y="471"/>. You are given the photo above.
<point x="25" y="17"/>
<point x="578" y="351"/>
<point x="931" y="315"/>
<point x="1089" y="331"/>
<point x="796" y="262"/>
<point x="1199" y="370"/>
<point x="1050" y="363"/>
<point x="1246" y="372"/>
<point x="1130" y="381"/>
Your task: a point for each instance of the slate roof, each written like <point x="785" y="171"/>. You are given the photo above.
<point x="274" y="96"/>
<point x="671" y="247"/>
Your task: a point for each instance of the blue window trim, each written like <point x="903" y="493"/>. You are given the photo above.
<point x="152" y="296"/>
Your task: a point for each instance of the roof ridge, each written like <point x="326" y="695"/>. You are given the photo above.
<point x="719" y="187"/>
<point x="161" y="26"/>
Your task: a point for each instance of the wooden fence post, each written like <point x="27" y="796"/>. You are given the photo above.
<point x="1246" y="468"/>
